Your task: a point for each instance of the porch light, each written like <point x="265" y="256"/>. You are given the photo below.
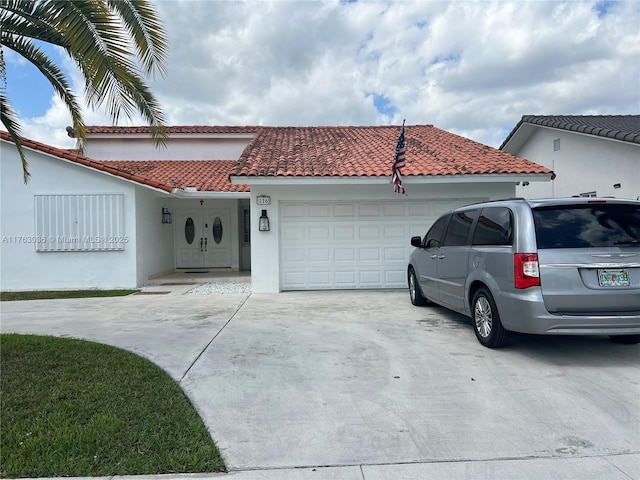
<point x="263" y="223"/>
<point x="166" y="215"/>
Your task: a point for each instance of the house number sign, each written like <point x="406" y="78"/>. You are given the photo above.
<point x="263" y="200"/>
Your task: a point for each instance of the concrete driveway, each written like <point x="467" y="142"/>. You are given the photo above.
<point x="370" y="385"/>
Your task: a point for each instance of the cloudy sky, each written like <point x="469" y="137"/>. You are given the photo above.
<point x="472" y="68"/>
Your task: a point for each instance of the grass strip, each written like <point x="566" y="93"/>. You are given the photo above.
<point x="77" y="408"/>
<point x="53" y="294"/>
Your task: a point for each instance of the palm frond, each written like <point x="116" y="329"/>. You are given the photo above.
<point x="10" y="121"/>
<point x="58" y="80"/>
<point x="114" y="44"/>
<point x="145" y="28"/>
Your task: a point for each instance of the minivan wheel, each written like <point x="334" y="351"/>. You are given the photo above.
<point x="486" y="320"/>
<point x="626" y="339"/>
<point x="415" y="293"/>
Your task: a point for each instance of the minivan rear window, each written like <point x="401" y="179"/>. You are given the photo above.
<point x="587" y="225"/>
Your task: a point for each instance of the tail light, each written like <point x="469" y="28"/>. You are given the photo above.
<point x="526" y="271"/>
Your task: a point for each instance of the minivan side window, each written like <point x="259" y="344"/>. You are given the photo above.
<point x="434" y="235"/>
<point x="459" y="228"/>
<point x="494" y="227"/>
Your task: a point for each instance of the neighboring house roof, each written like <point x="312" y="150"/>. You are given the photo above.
<point x="620" y="127"/>
<point x="205" y="175"/>
<point x="369" y="152"/>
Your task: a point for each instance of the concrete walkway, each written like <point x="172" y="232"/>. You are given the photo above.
<point x="362" y="385"/>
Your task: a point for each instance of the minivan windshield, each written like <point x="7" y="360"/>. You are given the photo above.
<point x="587" y="225"/>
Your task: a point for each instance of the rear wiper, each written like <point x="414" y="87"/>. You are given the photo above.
<point x="629" y="242"/>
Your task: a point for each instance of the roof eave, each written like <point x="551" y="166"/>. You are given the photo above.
<point x="412" y="179"/>
<point x="179" y="193"/>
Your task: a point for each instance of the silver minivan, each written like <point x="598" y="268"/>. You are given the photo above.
<point x="552" y="266"/>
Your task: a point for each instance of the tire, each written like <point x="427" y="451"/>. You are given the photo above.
<point x="486" y="320"/>
<point x="417" y="298"/>
<point x="625" y="339"/>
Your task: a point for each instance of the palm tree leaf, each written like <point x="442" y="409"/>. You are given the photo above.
<point x="10" y="121"/>
<point x="114" y="44"/>
<point x="54" y="75"/>
<point x="143" y="25"/>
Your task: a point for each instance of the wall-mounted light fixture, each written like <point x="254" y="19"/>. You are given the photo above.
<point x="616" y="185"/>
<point x="166" y="215"/>
<point x="263" y="222"/>
<point x="525" y="184"/>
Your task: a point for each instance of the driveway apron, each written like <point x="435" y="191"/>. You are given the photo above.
<point x="310" y="379"/>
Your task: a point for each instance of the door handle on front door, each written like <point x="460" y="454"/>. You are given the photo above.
<point x="201" y="243"/>
<point x="206" y="241"/>
<point x="434" y="256"/>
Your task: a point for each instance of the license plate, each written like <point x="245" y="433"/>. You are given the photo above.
<point x="614" y="278"/>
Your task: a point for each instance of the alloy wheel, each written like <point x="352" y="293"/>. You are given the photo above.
<point x="483" y="317"/>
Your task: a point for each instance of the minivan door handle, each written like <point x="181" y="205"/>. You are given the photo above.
<point x="440" y="257"/>
<point x="434" y="256"/>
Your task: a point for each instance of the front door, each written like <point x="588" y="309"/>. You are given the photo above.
<point x="203" y="238"/>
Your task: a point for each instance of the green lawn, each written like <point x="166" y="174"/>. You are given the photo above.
<point x="49" y="294"/>
<point x="77" y="408"/>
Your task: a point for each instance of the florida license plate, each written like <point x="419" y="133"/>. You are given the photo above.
<point x="614" y="278"/>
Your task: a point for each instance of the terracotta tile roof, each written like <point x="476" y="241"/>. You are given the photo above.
<point x="369" y="151"/>
<point x="75" y="157"/>
<point x="620" y="127"/>
<point x="178" y="129"/>
<point x="205" y="175"/>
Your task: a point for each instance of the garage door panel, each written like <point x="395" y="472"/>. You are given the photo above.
<point x="395" y="231"/>
<point x="293" y="233"/>
<point x="395" y="278"/>
<point x="395" y="254"/>
<point x="296" y="210"/>
<point x="294" y="255"/>
<point x="319" y="255"/>
<point x="295" y="280"/>
<point x="370" y="278"/>
<point x="344" y="210"/>
<point x="319" y="232"/>
<point x="369" y="209"/>
<point x="369" y="233"/>
<point x="394" y="209"/>
<point x="344" y="254"/>
<point x="320" y="279"/>
<point x="319" y="211"/>
<point x="344" y="233"/>
<point x="345" y="279"/>
<point x="348" y="245"/>
<point x="370" y="254"/>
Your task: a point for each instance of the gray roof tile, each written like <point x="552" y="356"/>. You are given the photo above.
<point x="620" y="127"/>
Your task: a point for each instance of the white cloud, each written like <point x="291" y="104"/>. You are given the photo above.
<point x="473" y="68"/>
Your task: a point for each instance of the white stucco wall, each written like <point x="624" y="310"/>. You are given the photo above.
<point x="154" y="241"/>
<point x="177" y="148"/>
<point x="21" y="267"/>
<point x="265" y="273"/>
<point x="583" y="164"/>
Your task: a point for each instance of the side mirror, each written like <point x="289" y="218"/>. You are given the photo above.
<point x="416" y="242"/>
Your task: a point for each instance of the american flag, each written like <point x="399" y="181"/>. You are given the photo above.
<point x="398" y="163"/>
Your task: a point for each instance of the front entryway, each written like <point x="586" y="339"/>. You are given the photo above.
<point x="202" y="238"/>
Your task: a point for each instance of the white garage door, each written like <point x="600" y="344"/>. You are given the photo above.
<point x="346" y="245"/>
